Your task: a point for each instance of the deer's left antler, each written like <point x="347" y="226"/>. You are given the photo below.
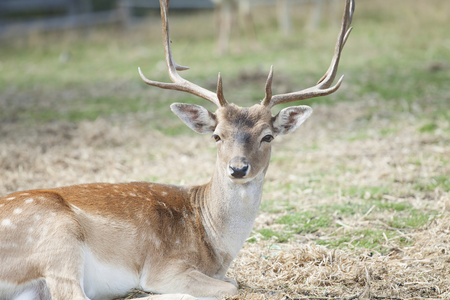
<point x="323" y="86"/>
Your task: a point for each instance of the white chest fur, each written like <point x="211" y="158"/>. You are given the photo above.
<point x="238" y="210"/>
<point x="103" y="280"/>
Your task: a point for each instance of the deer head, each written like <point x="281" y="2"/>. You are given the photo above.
<point x="243" y="135"/>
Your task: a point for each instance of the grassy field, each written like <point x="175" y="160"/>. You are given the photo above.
<point x="356" y="203"/>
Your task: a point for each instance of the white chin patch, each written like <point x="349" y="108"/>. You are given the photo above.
<point x="240" y="180"/>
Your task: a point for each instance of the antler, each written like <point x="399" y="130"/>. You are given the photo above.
<point x="322" y="88"/>
<point x="179" y="83"/>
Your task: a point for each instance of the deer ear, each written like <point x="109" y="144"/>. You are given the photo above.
<point x="196" y="117"/>
<point x="290" y="118"/>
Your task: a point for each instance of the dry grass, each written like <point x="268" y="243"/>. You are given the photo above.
<point x="308" y="271"/>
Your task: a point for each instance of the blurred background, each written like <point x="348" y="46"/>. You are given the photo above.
<point x="398" y="52"/>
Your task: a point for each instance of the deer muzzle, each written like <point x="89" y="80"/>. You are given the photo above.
<point x="238" y="167"/>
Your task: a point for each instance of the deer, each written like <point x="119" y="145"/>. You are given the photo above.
<point x="100" y="240"/>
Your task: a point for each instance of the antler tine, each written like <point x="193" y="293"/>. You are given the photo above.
<point x="268" y="96"/>
<point x="324" y="85"/>
<point x="329" y="76"/>
<point x="219" y="92"/>
<point x="178" y="82"/>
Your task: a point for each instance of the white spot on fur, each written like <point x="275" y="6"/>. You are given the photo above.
<point x="163" y="204"/>
<point x="155" y="240"/>
<point x="44" y="230"/>
<point x="8" y="246"/>
<point x="29" y="200"/>
<point x="17" y="211"/>
<point x="76" y="209"/>
<point x="6" y="222"/>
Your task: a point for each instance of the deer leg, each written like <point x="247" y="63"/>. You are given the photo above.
<point x="62" y="261"/>
<point x="197" y="283"/>
<point x="63" y="288"/>
<point x="63" y="275"/>
<point x="37" y="289"/>
<point x="232" y="281"/>
<point x="192" y="283"/>
<point x="167" y="297"/>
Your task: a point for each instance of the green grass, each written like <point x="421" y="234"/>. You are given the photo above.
<point x="86" y="110"/>
<point x="397" y="217"/>
<point x="430" y="184"/>
<point x="370" y="239"/>
<point x="278" y="236"/>
<point x="429" y="127"/>
<point x="366" y="192"/>
<point x="413" y="221"/>
<point x="305" y="222"/>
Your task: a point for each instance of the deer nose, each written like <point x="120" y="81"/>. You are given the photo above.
<point x="238" y="167"/>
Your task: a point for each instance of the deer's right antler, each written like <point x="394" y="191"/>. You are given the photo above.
<point x="178" y="82"/>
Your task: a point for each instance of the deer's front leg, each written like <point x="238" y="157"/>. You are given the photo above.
<point x="167" y="297"/>
<point x="194" y="283"/>
<point x="232" y="281"/>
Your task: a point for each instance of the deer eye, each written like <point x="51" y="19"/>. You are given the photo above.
<point x="216" y="137"/>
<point x="268" y="138"/>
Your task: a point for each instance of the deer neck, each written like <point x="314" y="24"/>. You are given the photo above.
<point x="230" y="210"/>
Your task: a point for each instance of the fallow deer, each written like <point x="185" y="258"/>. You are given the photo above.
<point x="98" y="241"/>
